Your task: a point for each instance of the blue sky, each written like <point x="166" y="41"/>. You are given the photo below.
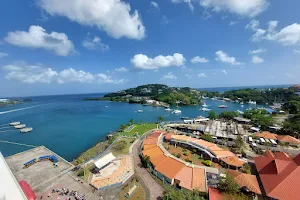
<point x="83" y="46"/>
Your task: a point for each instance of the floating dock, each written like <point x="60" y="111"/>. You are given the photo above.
<point x="15" y="123"/>
<point x="26" y="130"/>
<point x="20" y="126"/>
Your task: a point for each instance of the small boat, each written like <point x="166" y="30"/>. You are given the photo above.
<point x="176" y="111"/>
<point x="204" y="105"/>
<point x="252" y="102"/>
<point x="240" y="112"/>
<point x="140" y="111"/>
<point x="222" y="106"/>
<point x="205" y="109"/>
<point x="168" y="109"/>
<point x="242" y="103"/>
<point x="15" y="123"/>
<point x="184" y="117"/>
<point x="20" y="126"/>
<point x="106" y="106"/>
<point x="26" y="130"/>
<point x="242" y="106"/>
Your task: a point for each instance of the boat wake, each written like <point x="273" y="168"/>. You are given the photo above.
<point x="15" y="110"/>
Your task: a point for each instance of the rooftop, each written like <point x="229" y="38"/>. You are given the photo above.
<point x="280" y="175"/>
<point x="169" y="167"/>
<point x="266" y="135"/>
<point x="192" y="178"/>
<point x="233" y="161"/>
<point x="247" y="180"/>
<point x="288" y="138"/>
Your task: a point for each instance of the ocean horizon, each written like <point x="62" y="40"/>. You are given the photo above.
<point x="68" y="125"/>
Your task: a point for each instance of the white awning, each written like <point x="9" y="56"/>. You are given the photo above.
<point x="9" y="187"/>
<point x="104" y="160"/>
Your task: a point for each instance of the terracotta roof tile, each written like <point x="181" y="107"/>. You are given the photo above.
<point x="153" y="152"/>
<point x="280" y="176"/>
<point x="168" y="136"/>
<point x="181" y="137"/>
<point x="247" y="180"/>
<point x="169" y="167"/>
<point x="156" y="134"/>
<point x="199" y="179"/>
<point x="233" y="161"/>
<point x="149" y="146"/>
<point x="288" y="138"/>
<point x="215" y="194"/>
<point x="150" y="141"/>
<point x="266" y="135"/>
<point x="185" y="176"/>
<point x="157" y="160"/>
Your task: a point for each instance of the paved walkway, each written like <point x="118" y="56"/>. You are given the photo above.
<point x="156" y="190"/>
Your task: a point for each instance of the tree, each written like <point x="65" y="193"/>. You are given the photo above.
<point x="228" y="184"/>
<point x="292" y="126"/>
<point x="207" y="163"/>
<point x="293" y="107"/>
<point x="212" y="115"/>
<point x="122" y="127"/>
<point x="229" y="115"/>
<point x="145" y="161"/>
<point x="131" y="121"/>
<point x="239" y="142"/>
<point x="207" y="138"/>
<point x="160" y="119"/>
<point x="172" y="194"/>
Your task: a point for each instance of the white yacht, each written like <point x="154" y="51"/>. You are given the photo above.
<point x="168" y="109"/>
<point x="176" y="111"/>
<point x="204" y="105"/>
<point x="205" y="109"/>
<point x="252" y="102"/>
<point x="140" y="111"/>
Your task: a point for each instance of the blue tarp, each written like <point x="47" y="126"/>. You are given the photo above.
<point x="31" y="161"/>
<point x="52" y="158"/>
<point x="269" y="110"/>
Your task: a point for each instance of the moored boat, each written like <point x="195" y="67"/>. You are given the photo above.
<point x="222" y="106"/>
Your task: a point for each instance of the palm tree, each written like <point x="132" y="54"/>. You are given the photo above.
<point x="131" y="121"/>
<point x="160" y="119"/>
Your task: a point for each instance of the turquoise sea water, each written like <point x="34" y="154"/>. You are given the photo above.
<point x="68" y="125"/>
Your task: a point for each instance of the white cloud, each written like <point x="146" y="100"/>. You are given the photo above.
<point x="112" y="16"/>
<point x="143" y="62"/>
<point x="289" y="35"/>
<point x="296" y="51"/>
<point x="2" y="54"/>
<point x="121" y="69"/>
<point x="232" y="23"/>
<point x="94" y="43"/>
<point x="257" y="60"/>
<point x="154" y="4"/>
<point x="38" y="38"/>
<point x="202" y="75"/>
<point x="31" y="74"/>
<point x="245" y="8"/>
<point x="198" y="59"/>
<point x="253" y="24"/>
<point x="72" y="75"/>
<point x="225" y="58"/>
<point x="189" y="2"/>
<point x="103" y="78"/>
<point x="224" y="72"/>
<point x="258" y="51"/>
<point x="169" y="76"/>
<point x="165" y="20"/>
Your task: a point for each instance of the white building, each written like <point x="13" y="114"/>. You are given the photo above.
<point x="9" y="186"/>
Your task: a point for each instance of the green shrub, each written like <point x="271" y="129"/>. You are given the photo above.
<point x="207" y="163"/>
<point x="80" y="172"/>
<point x="185" y="154"/>
<point x="178" y="155"/>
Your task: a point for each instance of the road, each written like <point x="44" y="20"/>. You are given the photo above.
<point x="156" y="190"/>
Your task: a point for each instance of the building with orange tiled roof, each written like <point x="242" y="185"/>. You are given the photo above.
<point x="191" y="178"/>
<point x="232" y="162"/>
<point x="168" y="136"/>
<point x="207" y="149"/>
<point x="171" y="170"/>
<point x="266" y="135"/>
<point x="279" y="175"/>
<point x="156" y="134"/>
<point x="153" y="152"/>
<point x="288" y="139"/>
<point x="168" y="169"/>
<point x="246" y="180"/>
<point x="215" y="194"/>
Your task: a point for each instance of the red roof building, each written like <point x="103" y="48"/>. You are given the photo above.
<point x="280" y="175"/>
<point x="215" y="194"/>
